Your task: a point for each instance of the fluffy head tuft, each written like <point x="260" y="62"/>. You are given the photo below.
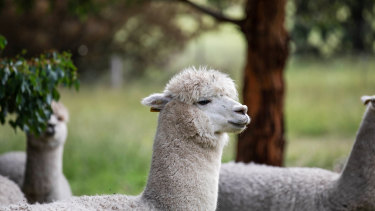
<point x="60" y="111"/>
<point x="191" y="85"/>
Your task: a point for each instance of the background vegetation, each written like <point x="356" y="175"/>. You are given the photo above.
<point x="110" y="133"/>
<point x="28" y="87"/>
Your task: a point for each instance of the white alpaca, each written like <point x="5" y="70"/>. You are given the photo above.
<point x="260" y="187"/>
<point x="197" y="109"/>
<point x="39" y="171"/>
<point x="10" y="193"/>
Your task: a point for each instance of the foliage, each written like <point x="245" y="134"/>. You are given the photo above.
<point x="334" y="27"/>
<point x="28" y="87"/>
<point x="149" y="39"/>
<point x="323" y="28"/>
<point x="112" y="122"/>
<point x="93" y="30"/>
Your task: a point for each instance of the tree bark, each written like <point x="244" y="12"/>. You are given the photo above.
<point x="263" y="90"/>
<point x="357" y="32"/>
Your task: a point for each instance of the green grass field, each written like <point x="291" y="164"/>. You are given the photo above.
<point x="110" y="133"/>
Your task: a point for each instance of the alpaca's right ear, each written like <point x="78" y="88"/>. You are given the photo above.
<point x="156" y="101"/>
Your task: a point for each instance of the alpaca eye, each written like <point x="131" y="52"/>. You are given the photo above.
<point x="60" y="118"/>
<point x="204" y="102"/>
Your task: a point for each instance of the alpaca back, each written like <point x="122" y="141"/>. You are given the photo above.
<point x="12" y="165"/>
<point x="10" y="193"/>
<point x="261" y="188"/>
<point x="88" y="203"/>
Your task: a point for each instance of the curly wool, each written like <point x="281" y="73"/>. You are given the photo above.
<point x="12" y="165"/>
<point x="260" y="187"/>
<point x="186" y="157"/>
<point x="39" y="171"/>
<point x="192" y="85"/>
<point x="10" y="193"/>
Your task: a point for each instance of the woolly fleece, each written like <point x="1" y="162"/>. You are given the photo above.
<point x="191" y="85"/>
<point x="186" y="154"/>
<point x="10" y="193"/>
<point x="39" y="174"/>
<point x="261" y="188"/>
<point x="12" y="165"/>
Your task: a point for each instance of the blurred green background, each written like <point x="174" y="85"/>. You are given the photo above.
<point x="110" y="138"/>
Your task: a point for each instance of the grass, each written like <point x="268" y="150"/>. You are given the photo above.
<point x="109" y="144"/>
<point x="323" y="110"/>
<point x="110" y="134"/>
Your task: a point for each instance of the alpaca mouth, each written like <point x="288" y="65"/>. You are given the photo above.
<point x="238" y="124"/>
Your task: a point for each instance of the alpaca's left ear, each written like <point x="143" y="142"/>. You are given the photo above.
<point x="367" y="99"/>
<point x="156" y="101"/>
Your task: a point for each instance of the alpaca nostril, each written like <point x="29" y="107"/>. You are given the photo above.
<point x="50" y="125"/>
<point x="50" y="129"/>
<point x="241" y="109"/>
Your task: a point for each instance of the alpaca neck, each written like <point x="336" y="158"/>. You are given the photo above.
<point x="183" y="174"/>
<point x="42" y="173"/>
<point x="356" y="185"/>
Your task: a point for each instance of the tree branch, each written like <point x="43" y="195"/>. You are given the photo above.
<point x="215" y="14"/>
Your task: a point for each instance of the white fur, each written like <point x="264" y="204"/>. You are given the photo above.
<point x="10" y="193"/>
<point x="262" y="188"/>
<point x="39" y="174"/>
<point x="192" y="84"/>
<point x="187" y="148"/>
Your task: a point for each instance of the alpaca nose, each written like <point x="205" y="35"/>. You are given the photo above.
<point x="50" y="129"/>
<point x="240" y="109"/>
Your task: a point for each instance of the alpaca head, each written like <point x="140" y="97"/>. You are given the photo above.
<point x="209" y="94"/>
<point x="56" y="131"/>
<point x="368" y="99"/>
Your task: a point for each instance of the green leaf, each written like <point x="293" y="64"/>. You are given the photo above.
<point x="29" y="86"/>
<point x="3" y="42"/>
<point x="49" y="99"/>
<point x="76" y="85"/>
<point x="18" y="99"/>
<point x="4" y="78"/>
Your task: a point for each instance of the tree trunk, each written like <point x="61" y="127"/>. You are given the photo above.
<point x="357" y="32"/>
<point x="263" y="91"/>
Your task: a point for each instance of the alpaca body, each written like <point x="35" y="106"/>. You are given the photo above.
<point x="44" y="179"/>
<point x="38" y="172"/>
<point x="260" y="187"/>
<point x="196" y="112"/>
<point x="12" y="165"/>
<point x="10" y="193"/>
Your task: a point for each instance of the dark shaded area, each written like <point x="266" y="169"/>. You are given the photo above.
<point x="334" y="27"/>
<point x="263" y="90"/>
<point x="88" y="30"/>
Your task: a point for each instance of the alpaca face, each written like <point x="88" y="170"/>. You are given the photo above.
<point x="56" y="131"/>
<point x="211" y="91"/>
<point x="224" y="113"/>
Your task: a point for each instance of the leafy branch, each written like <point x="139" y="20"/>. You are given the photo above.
<point x="217" y="15"/>
<point x="28" y="86"/>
